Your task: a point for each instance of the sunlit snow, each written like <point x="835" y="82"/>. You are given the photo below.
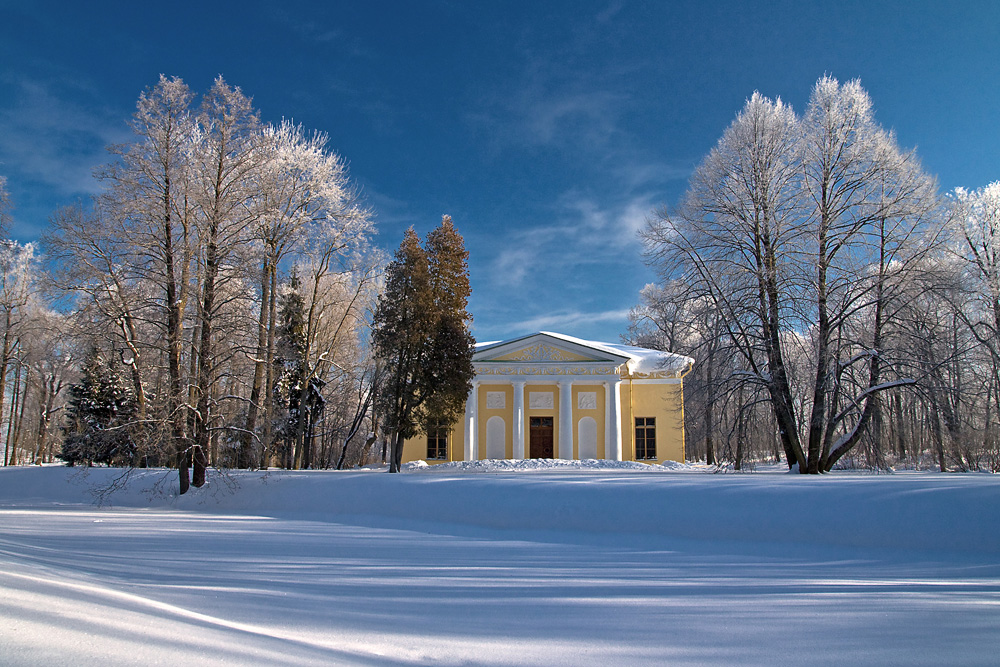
<point x="539" y="563"/>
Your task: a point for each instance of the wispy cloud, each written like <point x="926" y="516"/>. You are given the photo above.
<point x="54" y="140"/>
<point x="549" y="109"/>
<point x="310" y="28"/>
<point x="566" y="320"/>
<point x="393" y="215"/>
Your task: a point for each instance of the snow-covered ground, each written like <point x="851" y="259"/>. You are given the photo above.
<point x="516" y="564"/>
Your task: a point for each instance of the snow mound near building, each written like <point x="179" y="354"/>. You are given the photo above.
<point x="535" y="465"/>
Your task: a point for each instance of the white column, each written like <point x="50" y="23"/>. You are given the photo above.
<point x="613" y="437"/>
<point x="471" y="408"/>
<point x="565" y="419"/>
<point x="519" y="420"/>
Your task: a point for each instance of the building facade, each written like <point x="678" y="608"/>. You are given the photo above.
<point x="548" y="395"/>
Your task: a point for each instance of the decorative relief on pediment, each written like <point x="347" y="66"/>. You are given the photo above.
<point x="586" y="400"/>
<point x="496" y="400"/>
<point x="491" y="369"/>
<point x="541" y="352"/>
<point x="540" y="400"/>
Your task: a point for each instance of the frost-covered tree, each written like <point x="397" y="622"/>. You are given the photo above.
<point x="141" y="257"/>
<point x="177" y="265"/>
<point x="976" y="217"/>
<point x="868" y="205"/>
<point x="801" y="233"/>
<point x="18" y="274"/>
<point x="225" y="158"/>
<point x="306" y="207"/>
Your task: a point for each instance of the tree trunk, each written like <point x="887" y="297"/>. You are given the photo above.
<point x="396" y="453"/>
<point x="5" y="355"/>
<point x="205" y="362"/>
<point x="19" y="421"/>
<point x="936" y="432"/>
<point x="174" y="309"/>
<point x="259" y="368"/>
<point x="12" y="425"/>
<point x="267" y="436"/>
<point x="709" y="414"/>
<point x="778" y="386"/>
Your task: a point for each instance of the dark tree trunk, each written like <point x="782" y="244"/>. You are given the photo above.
<point x="260" y="363"/>
<point x="396" y="453"/>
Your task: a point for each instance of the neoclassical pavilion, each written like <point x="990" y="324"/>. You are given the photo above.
<point x="549" y="395"/>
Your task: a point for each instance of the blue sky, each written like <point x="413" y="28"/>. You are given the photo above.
<point x="547" y="130"/>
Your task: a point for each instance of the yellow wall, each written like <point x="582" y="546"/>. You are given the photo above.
<point x="599" y="415"/>
<point x="506" y="413"/>
<point x="638" y="399"/>
<point x="415" y="449"/>
<point x="665" y="402"/>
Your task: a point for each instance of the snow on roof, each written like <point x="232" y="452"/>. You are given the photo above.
<point x="639" y="359"/>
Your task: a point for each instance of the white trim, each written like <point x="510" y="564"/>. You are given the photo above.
<point x="519" y="417"/>
<point x="471" y="408"/>
<point x="613" y="442"/>
<point x="566" y="419"/>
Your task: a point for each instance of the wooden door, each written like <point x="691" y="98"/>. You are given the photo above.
<point x="540" y="431"/>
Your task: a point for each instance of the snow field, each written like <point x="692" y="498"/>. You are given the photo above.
<point x="573" y="566"/>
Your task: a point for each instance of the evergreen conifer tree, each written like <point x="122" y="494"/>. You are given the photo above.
<point x="421" y="335"/>
<point x="100" y="408"/>
<point x="291" y="369"/>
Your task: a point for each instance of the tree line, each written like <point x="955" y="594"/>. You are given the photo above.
<point x="841" y="310"/>
<point x="213" y="306"/>
<point x="213" y="301"/>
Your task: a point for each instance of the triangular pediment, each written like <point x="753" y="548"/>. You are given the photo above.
<point x="544" y="348"/>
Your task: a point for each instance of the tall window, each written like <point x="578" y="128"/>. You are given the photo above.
<point x="437" y="442"/>
<point x="645" y="438"/>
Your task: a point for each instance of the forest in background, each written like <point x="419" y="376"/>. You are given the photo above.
<point x="213" y="305"/>
<point x="208" y="308"/>
<point x="842" y="311"/>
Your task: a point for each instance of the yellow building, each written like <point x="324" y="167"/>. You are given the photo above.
<point x="548" y="395"/>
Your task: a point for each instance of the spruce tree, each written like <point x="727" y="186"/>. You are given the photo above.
<point x="100" y="408"/>
<point x="291" y="370"/>
<point x="421" y="335"/>
<point x="449" y="364"/>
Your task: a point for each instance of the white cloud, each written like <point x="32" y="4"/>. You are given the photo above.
<point x="511" y="265"/>
<point x="566" y="320"/>
<point x="51" y="139"/>
<point x="605" y="228"/>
